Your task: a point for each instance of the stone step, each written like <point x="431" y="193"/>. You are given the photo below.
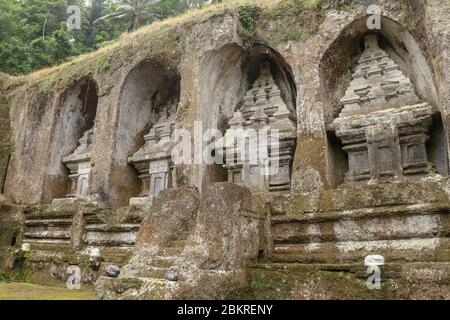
<point x="164" y="261"/>
<point x="47" y="241"/>
<point x="116" y="259"/>
<point x="363" y="212"/>
<point x="126" y="288"/>
<point x="402" y="281"/>
<point x="390" y="270"/>
<point x="184" y="234"/>
<point x="393" y="223"/>
<point x="156" y="273"/>
<point x="408" y="250"/>
<point x="49" y="222"/>
<point x="49" y="246"/>
<point x="123" y="227"/>
<point x="180" y="236"/>
<point x="125" y="243"/>
<point x="171" y="251"/>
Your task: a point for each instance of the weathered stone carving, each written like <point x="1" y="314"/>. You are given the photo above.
<point x="377" y="82"/>
<point x="384" y="127"/>
<point x="80" y="166"/>
<point x="153" y="160"/>
<point x="263" y="113"/>
<point x="191" y="247"/>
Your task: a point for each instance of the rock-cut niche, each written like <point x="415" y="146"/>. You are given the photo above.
<point x="251" y="98"/>
<point x="385" y="124"/>
<point x="72" y="139"/>
<point x="142" y="158"/>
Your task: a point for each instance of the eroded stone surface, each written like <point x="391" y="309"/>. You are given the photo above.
<point x="224" y="237"/>
<point x="4" y="138"/>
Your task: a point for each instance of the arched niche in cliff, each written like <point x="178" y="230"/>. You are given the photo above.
<point x="227" y="74"/>
<point x="338" y="65"/>
<point x="74" y="116"/>
<point x="149" y="96"/>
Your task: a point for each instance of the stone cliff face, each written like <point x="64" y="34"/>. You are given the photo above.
<point x="5" y="129"/>
<point x="364" y="163"/>
<point x="213" y="75"/>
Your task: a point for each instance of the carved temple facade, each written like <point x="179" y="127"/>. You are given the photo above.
<point x="264" y="120"/>
<point x="332" y="148"/>
<point x="384" y="127"/>
<point x="252" y="134"/>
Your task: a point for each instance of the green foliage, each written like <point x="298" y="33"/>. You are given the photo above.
<point x="293" y="8"/>
<point x="18" y="275"/>
<point x="105" y="65"/>
<point x="248" y="16"/>
<point x="34" y="34"/>
<point x="291" y="20"/>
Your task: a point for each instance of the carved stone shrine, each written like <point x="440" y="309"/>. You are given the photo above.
<point x="269" y="128"/>
<point x="383" y="126"/>
<point x="80" y="166"/>
<point x="153" y="160"/>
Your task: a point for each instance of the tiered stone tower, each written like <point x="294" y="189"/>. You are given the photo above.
<point x="384" y="127"/>
<point x="261" y="165"/>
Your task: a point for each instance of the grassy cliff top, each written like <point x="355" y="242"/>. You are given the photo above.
<point x="161" y="40"/>
<point x="274" y="22"/>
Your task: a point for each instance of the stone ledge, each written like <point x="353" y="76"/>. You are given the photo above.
<point x="375" y="212"/>
<point x="391" y="270"/>
<point x="385" y="194"/>
<point x="403" y="250"/>
<point x="426" y="280"/>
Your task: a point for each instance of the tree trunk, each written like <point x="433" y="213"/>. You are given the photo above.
<point x="45" y="24"/>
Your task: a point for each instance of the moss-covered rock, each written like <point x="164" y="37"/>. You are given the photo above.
<point x="323" y="282"/>
<point x="10" y="238"/>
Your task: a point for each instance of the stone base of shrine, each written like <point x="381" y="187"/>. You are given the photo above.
<point x="69" y="201"/>
<point x="141" y="201"/>
<point x="403" y="222"/>
<point x="280" y="281"/>
<point x="52" y="266"/>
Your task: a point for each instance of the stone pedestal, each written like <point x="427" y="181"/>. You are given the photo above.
<point x="386" y="144"/>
